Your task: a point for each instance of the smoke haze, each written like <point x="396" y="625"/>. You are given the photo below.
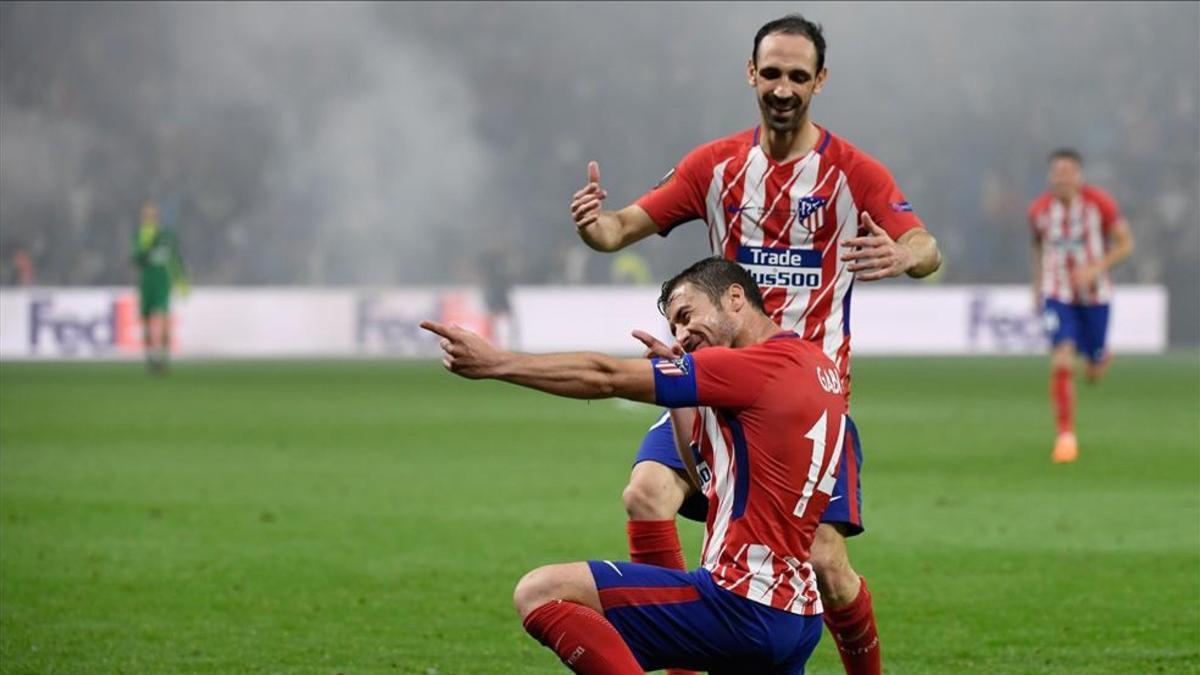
<point x="394" y="143"/>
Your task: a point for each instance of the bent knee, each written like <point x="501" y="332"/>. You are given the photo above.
<point x="532" y="591"/>
<point x="648" y="500"/>
<point x="1063" y="357"/>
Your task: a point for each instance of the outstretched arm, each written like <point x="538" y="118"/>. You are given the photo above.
<point x="607" y="230"/>
<point x="573" y="375"/>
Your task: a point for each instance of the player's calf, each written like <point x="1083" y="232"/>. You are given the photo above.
<point x="560" y="608"/>
<point x="836" y="579"/>
<point x="849" y="614"/>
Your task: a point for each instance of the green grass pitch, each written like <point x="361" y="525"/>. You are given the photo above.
<point x="373" y="517"/>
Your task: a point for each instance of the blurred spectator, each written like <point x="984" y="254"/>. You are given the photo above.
<point x="497" y="285"/>
<point x="17" y="267"/>
<point x="628" y="267"/>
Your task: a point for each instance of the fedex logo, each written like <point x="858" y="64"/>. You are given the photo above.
<point x="390" y="331"/>
<point x="54" y="329"/>
<point x="388" y="322"/>
<point x="1005" y="328"/>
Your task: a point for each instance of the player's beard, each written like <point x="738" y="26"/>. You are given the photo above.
<point x="782" y="121"/>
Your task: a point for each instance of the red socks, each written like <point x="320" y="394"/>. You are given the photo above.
<point x="584" y="640"/>
<point x="655" y="542"/>
<point x="853" y="629"/>
<point x="1062" y="392"/>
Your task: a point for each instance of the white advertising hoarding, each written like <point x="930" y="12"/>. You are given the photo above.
<point x="227" y="322"/>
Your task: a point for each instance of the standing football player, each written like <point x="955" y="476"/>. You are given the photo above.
<point x="160" y="268"/>
<point x="1078" y="236"/>
<point x="807" y="213"/>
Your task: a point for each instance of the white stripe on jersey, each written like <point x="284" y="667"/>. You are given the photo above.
<point x="760" y="562"/>
<point x="829" y="480"/>
<point x="847" y="216"/>
<point x="804" y="584"/>
<point x="754" y="197"/>
<point x="718" y="228"/>
<point x="723" y="485"/>
<point x="721" y="204"/>
<point x="817" y="436"/>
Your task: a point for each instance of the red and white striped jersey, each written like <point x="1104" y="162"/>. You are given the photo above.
<point x="768" y="438"/>
<point x="784" y="223"/>
<point x="1074" y="236"/>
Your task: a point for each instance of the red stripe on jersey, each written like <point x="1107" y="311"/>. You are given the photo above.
<point x="632" y="596"/>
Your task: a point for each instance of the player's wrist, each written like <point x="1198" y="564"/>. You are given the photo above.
<point x="504" y="365"/>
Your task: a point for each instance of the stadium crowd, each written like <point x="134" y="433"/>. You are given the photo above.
<point x="103" y="116"/>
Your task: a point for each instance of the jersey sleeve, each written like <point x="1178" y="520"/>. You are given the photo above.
<point x="1110" y="213"/>
<point x="1032" y="214"/>
<point x="877" y="193"/>
<point x="679" y="196"/>
<point x="718" y="377"/>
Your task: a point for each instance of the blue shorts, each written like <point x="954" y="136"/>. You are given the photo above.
<point x="845" y="505"/>
<point x="671" y="618"/>
<point x="1086" y="326"/>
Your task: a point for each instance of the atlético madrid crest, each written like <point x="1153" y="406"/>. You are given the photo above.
<point x="673" y="367"/>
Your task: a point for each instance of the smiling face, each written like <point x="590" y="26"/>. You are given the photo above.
<point x="697" y="321"/>
<point x="785" y="79"/>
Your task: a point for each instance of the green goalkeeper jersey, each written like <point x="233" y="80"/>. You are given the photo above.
<point x="156" y="253"/>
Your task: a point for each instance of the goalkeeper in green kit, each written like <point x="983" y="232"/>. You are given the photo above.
<point x="160" y="267"/>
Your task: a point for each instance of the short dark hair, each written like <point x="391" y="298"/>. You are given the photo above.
<point x="1066" y="153"/>
<point x="713" y="276"/>
<point x="793" y="24"/>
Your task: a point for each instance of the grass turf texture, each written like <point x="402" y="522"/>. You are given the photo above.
<point x="374" y="517"/>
